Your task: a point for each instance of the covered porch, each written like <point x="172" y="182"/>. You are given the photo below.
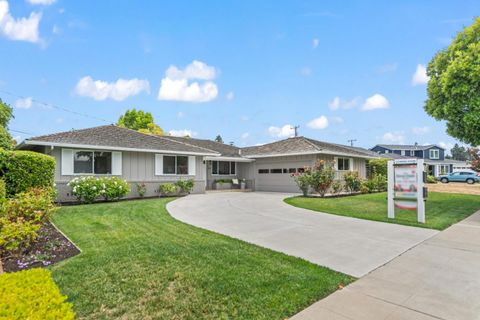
<point x="229" y="173"/>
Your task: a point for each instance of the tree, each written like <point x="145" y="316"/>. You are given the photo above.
<point x="475" y="159"/>
<point x="140" y="121"/>
<point x="454" y="85"/>
<point x="6" y="113"/>
<point x="459" y="153"/>
<point x="219" y="139"/>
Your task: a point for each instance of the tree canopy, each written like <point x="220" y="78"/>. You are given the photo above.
<point x="460" y="153"/>
<point x="6" y="113"/>
<point x="218" y="138"/>
<point x="141" y="121"/>
<point x="454" y="86"/>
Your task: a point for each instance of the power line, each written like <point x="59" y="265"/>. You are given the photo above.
<point x="50" y="105"/>
<point x="22" y="132"/>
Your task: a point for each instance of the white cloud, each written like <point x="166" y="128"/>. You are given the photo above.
<point x="420" y="130"/>
<point x="377" y="101"/>
<point x="420" y="76"/>
<point x="175" y="85"/>
<point x="397" y="137"/>
<point x="318" y="123"/>
<point x="230" y="95"/>
<point x="42" y="2"/>
<point x="182" y="133"/>
<point x="245" y="135"/>
<point x="315" y="43"/>
<point x="21" y="29"/>
<point x="306" y="71"/>
<point x="119" y="90"/>
<point x="24" y="103"/>
<point x="281" y="132"/>
<point x="338" y="103"/>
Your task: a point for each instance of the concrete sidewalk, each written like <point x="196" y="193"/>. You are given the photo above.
<point x="438" y="279"/>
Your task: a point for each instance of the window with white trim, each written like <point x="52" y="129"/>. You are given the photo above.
<point x="343" y="164"/>
<point x="92" y="162"/>
<point x="177" y="165"/>
<point x="434" y="153"/>
<point x="223" y="168"/>
<point x="402" y="152"/>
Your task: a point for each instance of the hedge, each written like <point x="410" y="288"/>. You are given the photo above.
<point x="32" y="294"/>
<point x="377" y="167"/>
<point x="22" y="170"/>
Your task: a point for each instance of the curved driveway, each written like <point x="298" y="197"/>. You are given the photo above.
<point x="349" y="245"/>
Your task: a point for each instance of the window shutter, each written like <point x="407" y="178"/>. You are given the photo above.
<point x="191" y="165"/>
<point x="335" y="159"/>
<point x="117" y="163"/>
<point x="158" y="164"/>
<point x="67" y="162"/>
<point x="351" y="164"/>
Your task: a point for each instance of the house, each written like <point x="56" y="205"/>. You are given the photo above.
<point x="433" y="155"/>
<point x="139" y="157"/>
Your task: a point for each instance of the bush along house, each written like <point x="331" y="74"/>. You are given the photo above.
<point x="433" y="155"/>
<point x="150" y="160"/>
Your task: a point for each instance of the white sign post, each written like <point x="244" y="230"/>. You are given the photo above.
<point x="406" y="187"/>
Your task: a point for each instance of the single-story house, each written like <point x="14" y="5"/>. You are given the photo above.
<point x="434" y="156"/>
<point x="143" y="158"/>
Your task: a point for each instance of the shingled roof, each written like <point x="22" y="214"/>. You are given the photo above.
<point x="225" y="150"/>
<point x="112" y="137"/>
<point x="302" y="145"/>
<point x="408" y="146"/>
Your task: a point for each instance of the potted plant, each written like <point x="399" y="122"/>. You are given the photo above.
<point x="243" y="184"/>
<point x="223" y="184"/>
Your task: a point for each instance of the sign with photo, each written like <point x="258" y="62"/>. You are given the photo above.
<point x="406" y="187"/>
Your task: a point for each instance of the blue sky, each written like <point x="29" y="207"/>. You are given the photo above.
<point x="244" y="69"/>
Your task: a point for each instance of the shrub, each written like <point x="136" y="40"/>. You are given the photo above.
<point x="302" y="179"/>
<point x="167" y="189"/>
<point x="322" y="176"/>
<point x="377" y="167"/>
<point x="185" y="186"/>
<point x="141" y="189"/>
<point x="380" y="182"/>
<point x="366" y="187"/>
<point x="21" y="218"/>
<point x="32" y="294"/>
<point x="3" y="190"/>
<point x="431" y="179"/>
<point x="86" y="189"/>
<point x="352" y="181"/>
<point x="113" y="188"/>
<point x="22" y="170"/>
<point x="336" y="187"/>
<point x="223" y="181"/>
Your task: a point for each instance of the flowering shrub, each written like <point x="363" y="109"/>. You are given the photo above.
<point x="113" y="188"/>
<point x="32" y="294"/>
<point x="352" y="180"/>
<point x="336" y="187"/>
<point x="185" y="186"/>
<point x="322" y="176"/>
<point x="167" y="189"/>
<point x="141" y="189"/>
<point x="302" y="179"/>
<point x="21" y="218"/>
<point x="88" y="189"/>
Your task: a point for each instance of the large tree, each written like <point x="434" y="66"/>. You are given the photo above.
<point x="460" y="153"/>
<point x="140" y="121"/>
<point x="6" y="113"/>
<point x="454" y="86"/>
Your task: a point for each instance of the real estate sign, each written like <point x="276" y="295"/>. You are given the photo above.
<point x="405" y="187"/>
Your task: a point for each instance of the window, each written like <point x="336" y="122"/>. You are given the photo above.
<point x="301" y="170"/>
<point x="387" y="151"/>
<point x="292" y="170"/>
<point x="412" y="153"/>
<point x="434" y="154"/>
<point x="444" y="169"/>
<point x="262" y="171"/>
<point x="92" y="162"/>
<point x="402" y="152"/>
<point x="343" y="164"/>
<point x="175" y="165"/>
<point x="276" y="170"/>
<point x="223" y="168"/>
<point x="285" y="170"/>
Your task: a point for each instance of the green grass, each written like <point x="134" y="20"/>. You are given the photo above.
<point x="137" y="262"/>
<point x="441" y="210"/>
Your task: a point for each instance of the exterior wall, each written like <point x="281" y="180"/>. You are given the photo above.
<point x="441" y="153"/>
<point x="137" y="167"/>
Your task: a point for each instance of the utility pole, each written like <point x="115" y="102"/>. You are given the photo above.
<point x="296" y="130"/>
<point x="352" y="141"/>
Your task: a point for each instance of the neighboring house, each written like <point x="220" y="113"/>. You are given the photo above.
<point x="461" y="165"/>
<point x="138" y="157"/>
<point x="433" y="155"/>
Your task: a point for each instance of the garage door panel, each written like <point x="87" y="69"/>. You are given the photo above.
<point x="278" y="182"/>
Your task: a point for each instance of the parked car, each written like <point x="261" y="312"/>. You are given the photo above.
<point x="469" y="177"/>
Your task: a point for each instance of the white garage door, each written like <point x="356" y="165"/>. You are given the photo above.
<point x="277" y="176"/>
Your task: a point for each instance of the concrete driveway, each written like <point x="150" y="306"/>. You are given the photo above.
<point x="349" y="245"/>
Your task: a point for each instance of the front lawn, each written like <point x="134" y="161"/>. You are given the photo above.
<point x="137" y="262"/>
<point x="441" y="210"/>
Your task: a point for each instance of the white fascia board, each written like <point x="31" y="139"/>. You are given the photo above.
<point x="88" y="146"/>
<point x="220" y="158"/>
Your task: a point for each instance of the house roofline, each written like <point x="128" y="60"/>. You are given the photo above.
<point x="236" y="159"/>
<point x="253" y="156"/>
<point x="88" y="146"/>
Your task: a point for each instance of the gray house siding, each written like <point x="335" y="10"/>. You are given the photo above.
<point x="137" y="167"/>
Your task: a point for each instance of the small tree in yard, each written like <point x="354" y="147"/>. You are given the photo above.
<point x="475" y="156"/>
<point x="302" y="179"/>
<point x="322" y="176"/>
<point x="352" y="181"/>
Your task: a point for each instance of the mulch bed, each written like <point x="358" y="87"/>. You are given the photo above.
<point x="50" y="247"/>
